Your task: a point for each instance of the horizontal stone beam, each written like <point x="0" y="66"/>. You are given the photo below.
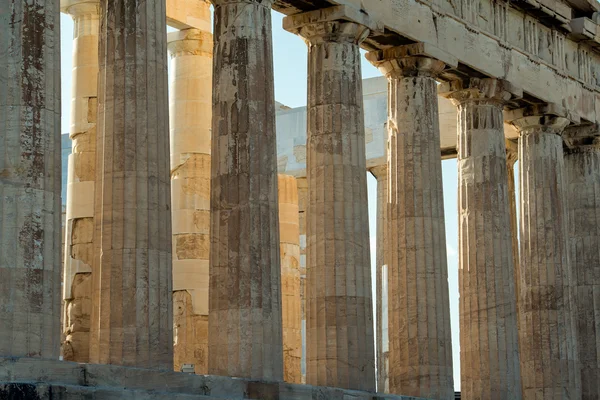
<point x="185" y="14"/>
<point x="494" y="39"/>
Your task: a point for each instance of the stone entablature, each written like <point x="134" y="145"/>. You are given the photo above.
<point x="496" y="40"/>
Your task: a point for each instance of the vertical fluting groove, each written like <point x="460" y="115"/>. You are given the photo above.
<point x="340" y="342"/>
<point x="30" y="179"/>
<point x="489" y="335"/>
<point x="132" y="315"/>
<point x="549" y="362"/>
<point x="190" y="124"/>
<point x="419" y="320"/>
<point x="245" y="329"/>
<point x="79" y="229"/>
<point x="381" y="173"/>
<point x="583" y="177"/>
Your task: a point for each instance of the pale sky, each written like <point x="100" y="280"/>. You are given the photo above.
<point x="290" y="62"/>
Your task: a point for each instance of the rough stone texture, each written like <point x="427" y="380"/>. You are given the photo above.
<point x="190" y="333"/>
<point x="381" y="342"/>
<point x="76" y="325"/>
<point x="56" y="380"/>
<point x="245" y="337"/>
<point x="547" y="334"/>
<point x="582" y="166"/>
<point x="190" y="124"/>
<point x="79" y="218"/>
<point x="289" y="236"/>
<point x="419" y="311"/>
<point x="340" y="342"/>
<point x="132" y="317"/>
<point x="30" y="184"/>
<point x="488" y="316"/>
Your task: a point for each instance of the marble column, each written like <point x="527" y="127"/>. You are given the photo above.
<point x="79" y="226"/>
<point x="547" y="334"/>
<point x="418" y="305"/>
<point x="381" y="342"/>
<point x="190" y="100"/>
<point x="340" y="342"/>
<point x="289" y="232"/>
<point x="512" y="155"/>
<point x="488" y="317"/>
<point x="302" y="205"/>
<point x="245" y="333"/>
<point x="582" y="164"/>
<point x="30" y="179"/>
<point x="132" y="317"/>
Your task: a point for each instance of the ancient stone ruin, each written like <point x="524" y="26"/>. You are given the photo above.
<point x="194" y="250"/>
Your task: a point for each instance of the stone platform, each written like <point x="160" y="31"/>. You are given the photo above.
<point x="34" y="379"/>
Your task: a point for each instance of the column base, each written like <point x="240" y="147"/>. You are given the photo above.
<point x="35" y="379"/>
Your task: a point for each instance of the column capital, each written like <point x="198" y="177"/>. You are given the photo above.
<point x="476" y="89"/>
<point x="189" y="42"/>
<point x="77" y="8"/>
<point x="380" y="171"/>
<point x="333" y="24"/>
<point x="417" y="59"/>
<point x="549" y="118"/>
<point x="582" y="138"/>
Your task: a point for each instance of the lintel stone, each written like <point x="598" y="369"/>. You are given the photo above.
<point x="185" y="14"/>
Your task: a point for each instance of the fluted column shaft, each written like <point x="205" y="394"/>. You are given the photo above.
<point x="582" y="165"/>
<point x="245" y="334"/>
<point x="488" y="317"/>
<point x="190" y="100"/>
<point x="340" y="342"/>
<point x="30" y="220"/>
<point x="79" y="227"/>
<point x="132" y="315"/>
<point x="548" y="342"/>
<point x="290" y="278"/>
<point x="381" y="342"/>
<point x="418" y="303"/>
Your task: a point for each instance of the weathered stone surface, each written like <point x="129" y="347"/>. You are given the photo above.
<point x="190" y="115"/>
<point x="582" y="164"/>
<point x="381" y="341"/>
<point x="488" y="316"/>
<point x="132" y="317"/>
<point x="55" y="380"/>
<point x="79" y="218"/>
<point x="547" y="334"/>
<point x="302" y="206"/>
<point x="190" y="332"/>
<point x="420" y="362"/>
<point x="340" y="342"/>
<point x="245" y="337"/>
<point x="289" y="236"/>
<point x="78" y="308"/>
<point x="30" y="220"/>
